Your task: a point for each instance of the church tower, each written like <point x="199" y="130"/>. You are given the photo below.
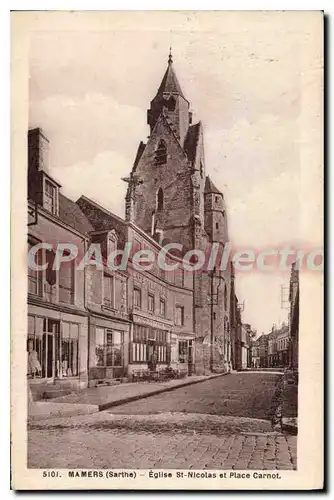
<point x="165" y="196"/>
<point x="170" y="101"/>
<point x="171" y="199"/>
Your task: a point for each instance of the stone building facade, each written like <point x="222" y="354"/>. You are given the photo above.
<point x="171" y="199"/>
<point x="57" y="328"/>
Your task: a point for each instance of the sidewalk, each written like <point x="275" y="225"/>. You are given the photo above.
<point x="100" y="398"/>
<point x="290" y="405"/>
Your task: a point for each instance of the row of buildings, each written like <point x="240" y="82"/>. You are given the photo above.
<point x="279" y="348"/>
<point x="89" y="325"/>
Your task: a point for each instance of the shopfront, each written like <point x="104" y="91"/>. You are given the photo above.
<point x="186" y="355"/>
<point x="148" y="341"/>
<point x="56" y="349"/>
<point x="108" y="350"/>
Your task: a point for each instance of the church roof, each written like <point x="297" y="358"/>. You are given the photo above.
<point x="191" y="140"/>
<point x="169" y="82"/>
<point x="210" y="187"/>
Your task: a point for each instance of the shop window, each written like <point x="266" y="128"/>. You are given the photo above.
<point x="53" y="348"/>
<point x="69" y="346"/>
<point x="179" y="315"/>
<point x="146" y="341"/>
<point x="150" y="303"/>
<point x="109" y="291"/>
<point x="108" y="348"/>
<point x="183" y="351"/>
<point x="34" y="347"/>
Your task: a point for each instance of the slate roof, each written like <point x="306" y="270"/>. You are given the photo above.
<point x="140" y="151"/>
<point x="210" y="187"/>
<point x="191" y="141"/>
<point x="170" y="83"/>
<point x="101" y="218"/>
<point x="71" y="214"/>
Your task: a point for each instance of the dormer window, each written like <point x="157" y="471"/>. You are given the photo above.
<point x="161" y="153"/>
<point x="50" y="196"/>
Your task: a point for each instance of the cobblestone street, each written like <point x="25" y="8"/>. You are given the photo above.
<point x="223" y="423"/>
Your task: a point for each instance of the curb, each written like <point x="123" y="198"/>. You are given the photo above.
<point x="130" y="399"/>
<point x="70" y="410"/>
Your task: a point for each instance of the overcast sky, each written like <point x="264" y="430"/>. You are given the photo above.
<point x="91" y="84"/>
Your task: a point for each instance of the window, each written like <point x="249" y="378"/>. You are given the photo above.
<point x="108" y="348"/>
<point x="150" y="303"/>
<point x="68" y="355"/>
<point x="179" y="315"/>
<point x="214" y="315"/>
<point x="147" y="340"/>
<point x="137" y="297"/>
<point x="179" y="276"/>
<point x="161" y="153"/>
<point x="53" y="348"/>
<point x="35" y="278"/>
<point x="50" y="197"/>
<point x="183" y="351"/>
<point x="216" y="199"/>
<point x="109" y="288"/>
<point x="66" y="282"/>
<point x="160" y="200"/>
<point x="217" y="225"/>
<point x="163" y="308"/>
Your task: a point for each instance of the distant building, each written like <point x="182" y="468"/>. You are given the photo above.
<point x="255" y="353"/>
<point x="263" y="350"/>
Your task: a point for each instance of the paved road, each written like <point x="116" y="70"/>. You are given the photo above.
<point x="239" y="394"/>
<point x="219" y="424"/>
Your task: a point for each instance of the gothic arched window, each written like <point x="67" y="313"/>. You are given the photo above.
<point x="160" y="200"/>
<point x="161" y="153"/>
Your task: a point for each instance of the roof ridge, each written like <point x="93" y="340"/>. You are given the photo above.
<point x="100" y="207"/>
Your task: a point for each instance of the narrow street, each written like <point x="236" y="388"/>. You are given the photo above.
<point x="223" y="423"/>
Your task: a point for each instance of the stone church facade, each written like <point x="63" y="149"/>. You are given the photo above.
<point x="170" y="197"/>
<point x="94" y="325"/>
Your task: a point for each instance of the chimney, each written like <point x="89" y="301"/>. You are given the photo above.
<point x="38" y="152"/>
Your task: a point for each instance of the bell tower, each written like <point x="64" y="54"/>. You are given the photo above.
<point x="170" y="101"/>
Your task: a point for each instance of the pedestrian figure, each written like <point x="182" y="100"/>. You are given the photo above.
<point x="152" y="364"/>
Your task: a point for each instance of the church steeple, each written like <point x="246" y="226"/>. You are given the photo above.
<point x="170" y="101"/>
<point x="170" y="83"/>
